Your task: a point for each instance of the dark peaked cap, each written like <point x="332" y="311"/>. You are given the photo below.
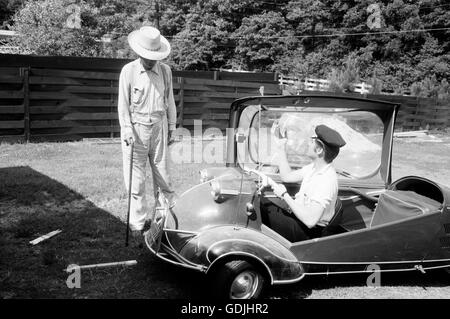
<point x="329" y="136"/>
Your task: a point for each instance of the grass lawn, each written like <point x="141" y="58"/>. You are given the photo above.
<point x="78" y="187"/>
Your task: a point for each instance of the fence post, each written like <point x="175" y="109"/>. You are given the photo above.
<point x="181" y="101"/>
<point x="111" y="110"/>
<point x="25" y="72"/>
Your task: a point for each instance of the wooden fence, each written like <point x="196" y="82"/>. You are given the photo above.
<point x="44" y="101"/>
<point x="60" y="98"/>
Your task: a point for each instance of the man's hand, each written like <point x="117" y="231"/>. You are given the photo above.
<point x="278" y="189"/>
<point x="170" y="138"/>
<point x="266" y="181"/>
<point x="128" y="138"/>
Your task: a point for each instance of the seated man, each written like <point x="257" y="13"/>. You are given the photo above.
<point x="314" y="204"/>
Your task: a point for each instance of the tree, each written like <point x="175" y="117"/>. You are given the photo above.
<point x="308" y="38"/>
<point x="7" y="10"/>
<point x="45" y="28"/>
<point x="261" y="40"/>
<point x="344" y="79"/>
<point x="309" y="17"/>
<point x="200" y="44"/>
<point x="65" y="27"/>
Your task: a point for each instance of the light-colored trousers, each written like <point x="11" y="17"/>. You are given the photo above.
<point x="150" y="143"/>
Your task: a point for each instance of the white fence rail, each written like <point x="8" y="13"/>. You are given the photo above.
<point x="311" y="84"/>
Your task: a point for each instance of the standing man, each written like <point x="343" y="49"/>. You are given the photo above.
<point x="147" y="116"/>
<point x="314" y="205"/>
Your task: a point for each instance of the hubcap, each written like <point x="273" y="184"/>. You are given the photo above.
<point x="244" y="285"/>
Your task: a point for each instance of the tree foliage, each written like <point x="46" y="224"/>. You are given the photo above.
<point x="42" y="28"/>
<point x="307" y="38"/>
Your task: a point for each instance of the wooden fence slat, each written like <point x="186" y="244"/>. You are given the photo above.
<point x="11" y="124"/>
<point x="11" y="94"/>
<point x="216" y="123"/>
<point x="59" y="109"/>
<point x="224" y="106"/>
<point x="77" y="102"/>
<point x="438" y="120"/>
<point x="61" y="95"/>
<point x="45" y="80"/>
<point x="193" y="110"/>
<point x="12" y="138"/>
<point x="91" y="116"/>
<point x="55" y="137"/>
<point x="53" y="124"/>
<point x="71" y="122"/>
<point x="216" y="116"/>
<point x="207" y="88"/>
<point x="76" y="74"/>
<point x="10" y="70"/>
<point x="11" y="109"/>
<point x="228" y="83"/>
<point x="217" y="94"/>
<point x="50" y="109"/>
<point x="83" y="130"/>
<point x="11" y="79"/>
<point x="51" y="96"/>
<point x="81" y="89"/>
<point x="249" y="77"/>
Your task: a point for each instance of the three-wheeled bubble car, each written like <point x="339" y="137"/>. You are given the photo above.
<point x="216" y="226"/>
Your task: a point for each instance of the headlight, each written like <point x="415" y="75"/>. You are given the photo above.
<point x="215" y="189"/>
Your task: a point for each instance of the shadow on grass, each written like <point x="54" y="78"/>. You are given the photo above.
<point x="31" y="205"/>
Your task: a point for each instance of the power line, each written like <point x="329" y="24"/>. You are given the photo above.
<point x="371" y="33"/>
<point x="349" y="34"/>
<point x="323" y="35"/>
<point x="359" y="33"/>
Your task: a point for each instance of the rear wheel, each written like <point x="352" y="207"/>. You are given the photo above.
<point x="238" y="279"/>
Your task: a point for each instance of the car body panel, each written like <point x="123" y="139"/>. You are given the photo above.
<point x="207" y="227"/>
<point x="217" y="242"/>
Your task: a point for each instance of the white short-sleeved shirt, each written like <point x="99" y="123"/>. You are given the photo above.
<point x="320" y="186"/>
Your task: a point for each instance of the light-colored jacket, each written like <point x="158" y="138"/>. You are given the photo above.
<point x="145" y="96"/>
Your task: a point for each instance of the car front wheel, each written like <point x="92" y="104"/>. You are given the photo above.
<point x="238" y="279"/>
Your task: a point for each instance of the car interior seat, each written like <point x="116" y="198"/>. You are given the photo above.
<point x="333" y="226"/>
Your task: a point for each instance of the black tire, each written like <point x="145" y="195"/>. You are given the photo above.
<point x="237" y="279"/>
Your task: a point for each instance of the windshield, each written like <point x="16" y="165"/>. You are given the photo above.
<point x="362" y="131"/>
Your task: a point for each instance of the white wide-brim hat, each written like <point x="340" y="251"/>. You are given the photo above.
<point x="148" y="43"/>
